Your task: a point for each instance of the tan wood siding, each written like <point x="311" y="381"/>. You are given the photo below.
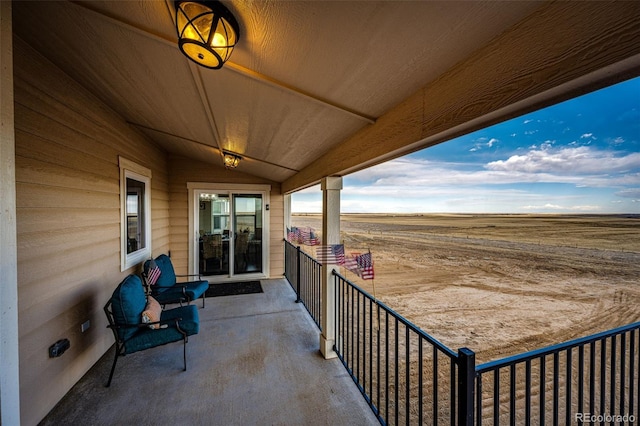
<point x="68" y="223"/>
<point x="182" y="171"/>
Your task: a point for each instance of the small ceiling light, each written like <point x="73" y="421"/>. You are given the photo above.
<point x="231" y="160"/>
<point x="207" y="31"/>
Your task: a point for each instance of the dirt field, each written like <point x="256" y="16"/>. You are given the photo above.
<point x="500" y="284"/>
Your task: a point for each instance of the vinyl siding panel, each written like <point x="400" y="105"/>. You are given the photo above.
<point x="68" y="223"/>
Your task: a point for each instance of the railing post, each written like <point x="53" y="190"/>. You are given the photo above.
<point x="298" y="274"/>
<point x="466" y="386"/>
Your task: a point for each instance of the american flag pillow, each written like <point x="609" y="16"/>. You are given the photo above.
<point x="153" y="273"/>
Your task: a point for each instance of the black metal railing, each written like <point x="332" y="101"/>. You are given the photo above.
<point x="406" y="375"/>
<point x="304" y="275"/>
<point x="291" y="263"/>
<point x="591" y="380"/>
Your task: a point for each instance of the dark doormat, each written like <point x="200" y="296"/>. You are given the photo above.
<point x="232" y="289"/>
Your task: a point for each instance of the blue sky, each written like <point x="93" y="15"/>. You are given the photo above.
<point x="579" y="156"/>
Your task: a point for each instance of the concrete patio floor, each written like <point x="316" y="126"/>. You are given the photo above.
<point x="255" y="362"/>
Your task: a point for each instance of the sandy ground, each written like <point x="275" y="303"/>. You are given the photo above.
<point x="500" y="284"/>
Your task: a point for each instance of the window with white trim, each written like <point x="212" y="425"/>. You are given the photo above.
<point x="135" y="213"/>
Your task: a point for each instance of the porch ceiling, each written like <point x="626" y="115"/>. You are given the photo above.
<point x="318" y="88"/>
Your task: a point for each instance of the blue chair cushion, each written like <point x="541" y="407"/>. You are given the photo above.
<point x="146" y="338"/>
<point x="165" y="290"/>
<point x="193" y="290"/>
<point x="128" y="301"/>
<point x="167" y="275"/>
<point x="169" y="295"/>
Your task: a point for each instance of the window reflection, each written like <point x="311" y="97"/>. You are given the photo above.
<point x="135" y="215"/>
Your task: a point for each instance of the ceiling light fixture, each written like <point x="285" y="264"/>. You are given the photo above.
<point x="231" y="160"/>
<point x="207" y="31"/>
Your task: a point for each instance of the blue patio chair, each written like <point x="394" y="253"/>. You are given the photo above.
<point x="125" y="310"/>
<point x="165" y="289"/>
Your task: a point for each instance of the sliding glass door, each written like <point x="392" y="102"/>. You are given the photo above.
<point x="248" y="223"/>
<point x="230" y="227"/>
<point x="214" y="233"/>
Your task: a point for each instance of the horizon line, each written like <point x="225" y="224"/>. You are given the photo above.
<point x="474" y="213"/>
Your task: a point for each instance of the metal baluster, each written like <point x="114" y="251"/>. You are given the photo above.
<point x="612" y="387"/>
<point x="603" y="376"/>
<point x="298" y="278"/>
<point x="378" y="353"/>
<point x="496" y="396"/>
<point x="339" y="312"/>
<point x="556" y="367"/>
<point x="386" y="361"/>
<point x="479" y="400"/>
<point x="568" y="384"/>
<point x="407" y="373"/>
<point x="512" y="394"/>
<point x="632" y="370"/>
<point x="371" y="348"/>
<point x="351" y="311"/>
<point x="543" y="384"/>
<point x="638" y="384"/>
<point x="592" y="376"/>
<point x="580" y="408"/>
<point x="396" y="370"/>
<point x="420" y="382"/>
<point x="623" y="357"/>
<point x="452" y="392"/>
<point x="319" y="292"/>
<point x="357" y="313"/>
<point x="435" y="385"/>
<point x="527" y="393"/>
<point x="364" y="343"/>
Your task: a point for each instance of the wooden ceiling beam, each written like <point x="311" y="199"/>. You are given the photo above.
<point x="562" y="50"/>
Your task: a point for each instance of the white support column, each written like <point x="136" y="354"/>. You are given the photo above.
<point x="331" y="187"/>
<point x="9" y="354"/>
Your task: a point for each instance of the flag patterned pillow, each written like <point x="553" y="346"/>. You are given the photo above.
<point x="153" y="274"/>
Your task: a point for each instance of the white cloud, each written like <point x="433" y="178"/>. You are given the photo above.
<point x="582" y="167"/>
<point x="546" y="207"/>
<point x="587" y="136"/>
<point x="617" y="141"/>
<point x="483" y="142"/>
<point x="419" y="185"/>
<point x="559" y="208"/>
<point x="629" y="193"/>
<point x="567" y="161"/>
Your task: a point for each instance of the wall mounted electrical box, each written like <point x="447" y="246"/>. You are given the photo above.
<point x="59" y="347"/>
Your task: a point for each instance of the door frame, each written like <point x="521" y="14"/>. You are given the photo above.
<point x="194" y="236"/>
